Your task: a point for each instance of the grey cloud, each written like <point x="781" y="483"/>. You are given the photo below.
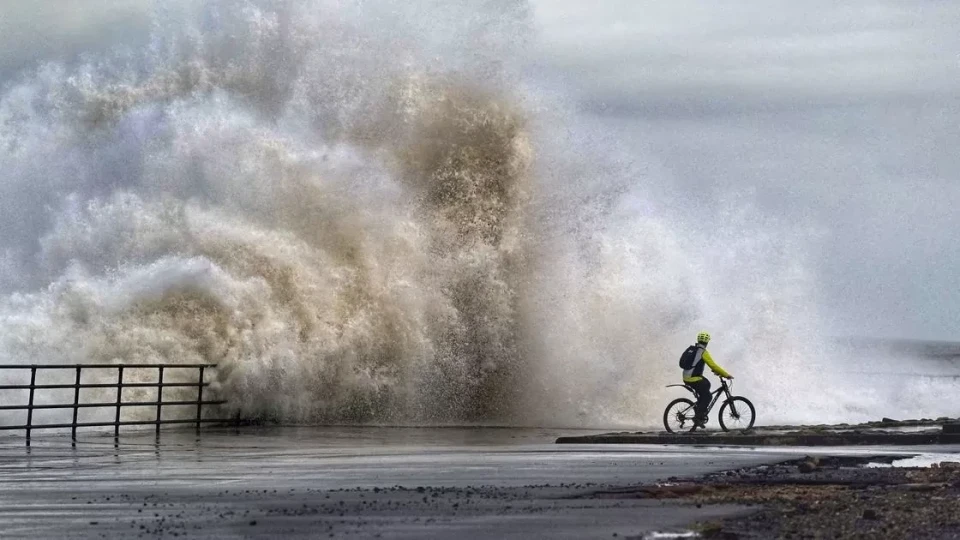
<point x="841" y="118"/>
<point x="781" y="51"/>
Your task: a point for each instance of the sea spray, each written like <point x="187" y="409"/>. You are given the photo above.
<point x="343" y="240"/>
<point x="363" y="213"/>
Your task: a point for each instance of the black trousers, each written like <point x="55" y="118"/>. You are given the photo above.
<point x="703" y="395"/>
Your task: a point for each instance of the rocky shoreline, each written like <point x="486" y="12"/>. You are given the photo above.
<point x="822" y="498"/>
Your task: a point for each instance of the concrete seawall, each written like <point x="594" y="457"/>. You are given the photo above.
<point x="886" y="432"/>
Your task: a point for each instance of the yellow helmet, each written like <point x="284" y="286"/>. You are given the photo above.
<point x="703" y="337"/>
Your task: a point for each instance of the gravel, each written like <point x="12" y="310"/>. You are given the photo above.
<point x="822" y="498"/>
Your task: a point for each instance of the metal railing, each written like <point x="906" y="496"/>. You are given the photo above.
<point x="116" y="404"/>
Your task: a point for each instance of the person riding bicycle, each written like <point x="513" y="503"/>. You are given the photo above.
<point x="692" y="362"/>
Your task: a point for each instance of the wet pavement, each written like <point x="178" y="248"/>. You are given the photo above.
<point x="351" y="482"/>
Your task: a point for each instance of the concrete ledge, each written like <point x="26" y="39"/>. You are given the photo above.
<point x="950" y="438"/>
<point x="885" y="432"/>
<point x="765" y="439"/>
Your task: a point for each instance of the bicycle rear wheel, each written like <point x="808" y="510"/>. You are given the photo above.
<point x="678" y="416"/>
<point x="737" y="414"/>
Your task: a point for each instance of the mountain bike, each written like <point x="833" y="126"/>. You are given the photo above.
<point x="736" y="413"/>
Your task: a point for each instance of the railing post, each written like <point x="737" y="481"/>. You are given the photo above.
<point x="76" y="405"/>
<point x="159" y="399"/>
<point x="200" y="398"/>
<point x="29" y="426"/>
<point x="116" y="425"/>
<point x="33" y="382"/>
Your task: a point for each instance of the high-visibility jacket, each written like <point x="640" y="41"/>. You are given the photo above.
<point x="701" y="359"/>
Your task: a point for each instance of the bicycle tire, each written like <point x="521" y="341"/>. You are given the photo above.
<point x="681" y="414"/>
<point x="738" y="406"/>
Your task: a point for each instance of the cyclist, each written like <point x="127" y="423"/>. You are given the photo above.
<point x="692" y="362"/>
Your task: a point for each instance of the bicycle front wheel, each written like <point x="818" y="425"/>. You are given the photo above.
<point x="737" y="414"/>
<point x="678" y="416"/>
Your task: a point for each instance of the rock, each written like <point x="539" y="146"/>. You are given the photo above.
<point x="886" y="420"/>
<point x="949" y="464"/>
<point x="870" y="513"/>
<point x="808" y="465"/>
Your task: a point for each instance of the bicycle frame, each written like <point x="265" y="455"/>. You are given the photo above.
<point x="723" y="389"/>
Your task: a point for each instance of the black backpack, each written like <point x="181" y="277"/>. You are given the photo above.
<point x="688" y="357"/>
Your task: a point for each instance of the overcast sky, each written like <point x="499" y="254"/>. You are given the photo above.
<point x="840" y="116"/>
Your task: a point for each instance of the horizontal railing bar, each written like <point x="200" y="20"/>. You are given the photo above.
<point x="159" y="384"/>
<point x="121" y="423"/>
<point x="101" y="385"/>
<point x="92" y="405"/>
<point x="102" y="366"/>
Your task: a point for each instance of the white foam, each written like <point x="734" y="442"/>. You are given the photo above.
<point x="920" y="460"/>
